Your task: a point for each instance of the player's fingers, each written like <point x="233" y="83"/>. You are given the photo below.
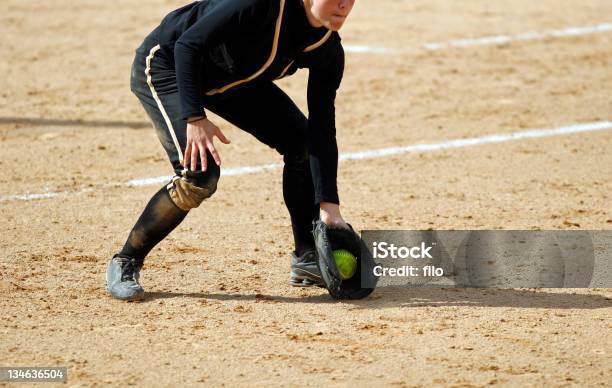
<point x="203" y="157"/>
<point x="194" y="157"/>
<point x="187" y="156"/>
<point x="222" y="137"/>
<point x="214" y="153"/>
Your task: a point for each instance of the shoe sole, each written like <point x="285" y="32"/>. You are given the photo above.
<point x="301" y="282"/>
<point x="303" y="278"/>
<point x="133" y="298"/>
<point x="136" y="298"/>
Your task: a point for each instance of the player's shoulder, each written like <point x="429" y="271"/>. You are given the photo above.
<point x="261" y="10"/>
<point x="331" y="45"/>
<point x="254" y="7"/>
<point x="327" y="50"/>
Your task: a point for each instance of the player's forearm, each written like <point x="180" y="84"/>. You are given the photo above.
<point x="323" y="81"/>
<point x="324" y="169"/>
<point x="187" y="81"/>
<point x="323" y="147"/>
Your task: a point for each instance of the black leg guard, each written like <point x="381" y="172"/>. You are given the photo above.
<point x="158" y="219"/>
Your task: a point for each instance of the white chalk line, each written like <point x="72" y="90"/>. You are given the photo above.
<point x="368" y="154"/>
<point x="459" y="43"/>
<point x="488" y="40"/>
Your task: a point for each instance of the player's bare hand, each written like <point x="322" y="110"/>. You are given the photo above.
<point x="200" y="135"/>
<point x="330" y="215"/>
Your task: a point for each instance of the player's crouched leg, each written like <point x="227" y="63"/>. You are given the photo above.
<point x="299" y="198"/>
<point x="163" y="213"/>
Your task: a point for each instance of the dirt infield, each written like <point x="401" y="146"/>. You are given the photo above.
<point x="219" y="308"/>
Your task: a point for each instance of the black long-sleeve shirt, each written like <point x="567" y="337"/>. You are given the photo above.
<point x="217" y="45"/>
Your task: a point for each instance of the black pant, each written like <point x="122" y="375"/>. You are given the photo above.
<point x="259" y="108"/>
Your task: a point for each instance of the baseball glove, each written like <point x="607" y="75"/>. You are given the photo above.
<point x="329" y="239"/>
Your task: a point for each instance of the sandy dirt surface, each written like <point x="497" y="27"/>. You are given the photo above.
<point x="219" y="309"/>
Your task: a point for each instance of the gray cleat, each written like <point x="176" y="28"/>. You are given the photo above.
<point x="122" y="275"/>
<point x="305" y="270"/>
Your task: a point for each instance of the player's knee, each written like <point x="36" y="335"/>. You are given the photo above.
<point x="295" y="148"/>
<point x="189" y="192"/>
<point x="296" y="157"/>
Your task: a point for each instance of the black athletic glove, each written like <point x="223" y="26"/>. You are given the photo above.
<point x="329" y="239"/>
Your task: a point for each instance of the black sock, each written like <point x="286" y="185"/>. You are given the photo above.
<point x="157" y="220"/>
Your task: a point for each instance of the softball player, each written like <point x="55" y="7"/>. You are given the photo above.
<point x="223" y="56"/>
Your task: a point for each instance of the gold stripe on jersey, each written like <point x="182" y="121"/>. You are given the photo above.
<point x="307" y="49"/>
<point x="279" y="21"/>
<point x="319" y="43"/>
